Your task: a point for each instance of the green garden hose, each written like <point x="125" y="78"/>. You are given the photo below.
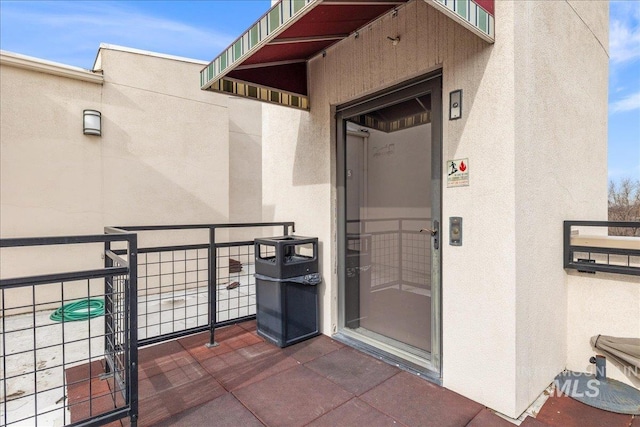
<point x="79" y="310"/>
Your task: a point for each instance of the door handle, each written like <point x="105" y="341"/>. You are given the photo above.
<point x="434" y="233"/>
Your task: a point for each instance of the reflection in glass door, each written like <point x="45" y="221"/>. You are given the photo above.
<point x="391" y="161"/>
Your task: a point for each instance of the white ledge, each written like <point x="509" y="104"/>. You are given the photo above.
<point x="149" y="53"/>
<point x="616" y="242"/>
<point x="48" y="67"/>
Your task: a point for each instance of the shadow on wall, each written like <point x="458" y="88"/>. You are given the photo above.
<point x="311" y="162"/>
<point x="477" y="58"/>
<point x="464" y="71"/>
<point x="159" y="172"/>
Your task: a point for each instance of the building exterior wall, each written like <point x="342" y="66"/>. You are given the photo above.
<point x="524" y="117"/>
<point x="533" y="129"/>
<point x="601" y="304"/>
<point x="560" y="169"/>
<point x="163" y="157"/>
<point x="50" y="173"/>
<point x="165" y="143"/>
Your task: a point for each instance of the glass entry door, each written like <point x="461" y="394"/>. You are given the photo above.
<point x="389" y="159"/>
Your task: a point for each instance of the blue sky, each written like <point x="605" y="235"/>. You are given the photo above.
<point x="71" y="31"/>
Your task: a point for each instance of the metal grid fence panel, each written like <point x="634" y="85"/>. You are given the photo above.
<point x="172" y="290"/>
<point x="41" y="359"/>
<point x="416" y="259"/>
<point x="60" y="363"/>
<point x="385" y="259"/>
<point x="236" y="286"/>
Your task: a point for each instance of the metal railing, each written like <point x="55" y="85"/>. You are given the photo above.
<point x="53" y="370"/>
<point x="395" y="250"/>
<point x="590" y="253"/>
<point x="202" y="283"/>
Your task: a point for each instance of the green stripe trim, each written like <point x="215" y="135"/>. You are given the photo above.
<point x="237" y="50"/>
<point x="472" y="13"/>
<point x="461" y="8"/>
<point x="297" y="5"/>
<point x="260" y="93"/>
<point x="255" y="37"/>
<point x="274" y="18"/>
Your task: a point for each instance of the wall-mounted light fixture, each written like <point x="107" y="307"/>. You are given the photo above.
<point x="455" y="104"/>
<point x="92" y="122"/>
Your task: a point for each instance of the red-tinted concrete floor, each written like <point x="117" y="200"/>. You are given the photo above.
<point x="320" y="382"/>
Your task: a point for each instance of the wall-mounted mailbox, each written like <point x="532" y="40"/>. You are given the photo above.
<point x="455" y="231"/>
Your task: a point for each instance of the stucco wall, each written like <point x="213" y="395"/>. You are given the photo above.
<point x="504" y="290"/>
<point x="50" y="174"/>
<point x="163" y="157"/>
<point x="605" y="304"/>
<point x="165" y="143"/>
<point x="477" y="282"/>
<point x="560" y="168"/>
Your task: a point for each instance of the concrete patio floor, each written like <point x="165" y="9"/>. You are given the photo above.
<point x="246" y="381"/>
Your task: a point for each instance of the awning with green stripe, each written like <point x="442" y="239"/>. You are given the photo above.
<point x="269" y="61"/>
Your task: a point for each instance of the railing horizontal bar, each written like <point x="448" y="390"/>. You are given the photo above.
<point x="233" y="244"/>
<point x="172" y="335"/>
<point x="604" y="250"/>
<point x="204" y="226"/>
<point x="115" y="230"/>
<point x="172" y="248"/>
<point x="351" y="221"/>
<point x="102" y="419"/>
<point x="605" y="268"/>
<point x="62" y="240"/>
<point x="191" y="331"/>
<point x="603" y="223"/>
<point x="123" y="262"/>
<point x="62" y="277"/>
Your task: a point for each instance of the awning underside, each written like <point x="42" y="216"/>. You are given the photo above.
<point x="269" y="61"/>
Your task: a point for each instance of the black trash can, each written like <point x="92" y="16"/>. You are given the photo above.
<point x="287" y="282"/>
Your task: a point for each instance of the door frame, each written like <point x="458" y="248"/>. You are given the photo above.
<point x="432" y="83"/>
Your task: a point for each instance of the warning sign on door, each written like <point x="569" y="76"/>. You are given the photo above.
<point x="458" y="173"/>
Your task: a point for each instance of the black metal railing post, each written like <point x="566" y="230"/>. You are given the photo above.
<point x="566" y="234"/>
<point x="400" y="254"/>
<point x="212" y="285"/>
<point x="131" y="329"/>
<point x="108" y="306"/>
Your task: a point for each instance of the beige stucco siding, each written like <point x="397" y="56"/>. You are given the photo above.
<point x="49" y="170"/>
<point x="561" y="71"/>
<point x="525" y="99"/>
<point x="480" y="286"/>
<point x="163" y="157"/>
<point x="165" y="144"/>
<point x="605" y="304"/>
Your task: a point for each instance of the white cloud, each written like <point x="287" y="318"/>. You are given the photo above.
<point x="629" y="103"/>
<point x="624" y="31"/>
<point x="72" y="31"/>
